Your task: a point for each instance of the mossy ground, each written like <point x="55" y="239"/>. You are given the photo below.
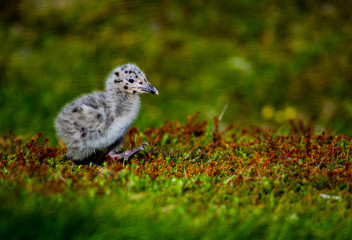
<point x="194" y="181"/>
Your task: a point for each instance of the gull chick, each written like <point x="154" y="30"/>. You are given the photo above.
<point x="99" y="120"/>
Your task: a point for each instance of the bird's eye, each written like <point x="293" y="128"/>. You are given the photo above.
<point x="131" y="80"/>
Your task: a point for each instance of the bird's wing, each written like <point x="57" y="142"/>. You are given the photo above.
<point x="89" y="114"/>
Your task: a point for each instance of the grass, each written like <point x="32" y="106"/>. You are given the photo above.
<point x="194" y="181"/>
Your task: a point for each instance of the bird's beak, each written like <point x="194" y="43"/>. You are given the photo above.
<point x="151" y="89"/>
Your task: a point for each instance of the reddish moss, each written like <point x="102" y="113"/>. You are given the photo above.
<point x="189" y="150"/>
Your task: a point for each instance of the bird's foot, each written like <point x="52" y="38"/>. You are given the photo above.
<point x="127" y="154"/>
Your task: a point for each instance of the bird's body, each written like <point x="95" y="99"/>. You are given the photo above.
<point x="101" y="119"/>
<point x="95" y="121"/>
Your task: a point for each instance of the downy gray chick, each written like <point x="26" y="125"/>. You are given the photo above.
<point x="100" y="119"/>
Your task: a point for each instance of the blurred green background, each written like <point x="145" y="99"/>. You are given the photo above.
<point x="267" y="61"/>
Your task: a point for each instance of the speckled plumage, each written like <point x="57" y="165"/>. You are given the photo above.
<point x="101" y="119"/>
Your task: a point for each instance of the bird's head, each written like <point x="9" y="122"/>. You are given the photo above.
<point x="129" y="78"/>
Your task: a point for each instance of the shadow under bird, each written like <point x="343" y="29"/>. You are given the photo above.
<point x="99" y="120"/>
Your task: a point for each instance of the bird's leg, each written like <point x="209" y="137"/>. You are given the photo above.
<point x="127" y="154"/>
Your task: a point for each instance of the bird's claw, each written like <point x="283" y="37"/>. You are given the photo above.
<point x="143" y="145"/>
<point x="127" y="154"/>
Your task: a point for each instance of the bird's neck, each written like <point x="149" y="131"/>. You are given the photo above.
<point x="123" y="97"/>
<point x="125" y="104"/>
